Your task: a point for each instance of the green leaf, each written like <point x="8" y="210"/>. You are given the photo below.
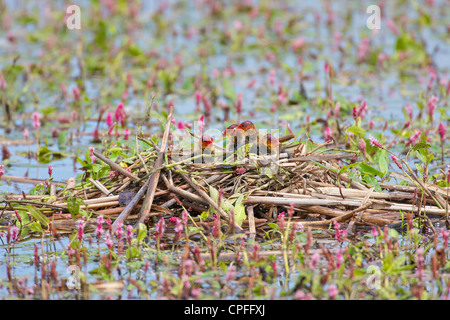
<point x="73" y="204"/>
<point x="37" y="215"/>
<point x="358" y="131"/>
<point x="365" y="168"/>
<point x="35" y="226"/>
<point x="45" y="155"/>
<point x="382" y="162"/>
<point x="142" y="232"/>
<point x="239" y="211"/>
<point x="273" y="225"/>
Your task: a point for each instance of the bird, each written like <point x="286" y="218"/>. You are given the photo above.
<point x="230" y="142"/>
<point x="247" y="135"/>
<point x="206" y="141"/>
<point x="270" y="142"/>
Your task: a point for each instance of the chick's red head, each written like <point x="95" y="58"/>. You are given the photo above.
<point x="247" y="125"/>
<point x="206" y="141"/>
<point x="230" y="130"/>
<point x="271" y="141"/>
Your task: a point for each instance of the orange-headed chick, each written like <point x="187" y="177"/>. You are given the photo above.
<point x="270" y="142"/>
<point x="206" y="141"/>
<point x="247" y="134"/>
<point x="247" y="126"/>
<point x="230" y="130"/>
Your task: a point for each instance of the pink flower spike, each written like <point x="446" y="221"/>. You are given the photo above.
<point x="374" y="143"/>
<point x="332" y="291"/>
<point x="337" y="108"/>
<point x="362" y="145"/>
<point x="26" y="134"/>
<point x="50" y="170"/>
<point x="201" y="124"/>
<point x="76" y="94"/>
<point x="126" y="133"/>
<point x="442" y="129"/>
<point x="414" y="138"/>
<point x="109" y="120"/>
<point x="36" y="122"/>
<point x="409" y="111"/>
<point x="394" y="158"/>
<point x="328" y="135"/>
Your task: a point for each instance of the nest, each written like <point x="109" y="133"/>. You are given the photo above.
<point x="307" y="186"/>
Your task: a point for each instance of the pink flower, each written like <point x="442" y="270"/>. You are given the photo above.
<point x="91" y="154"/>
<point x="298" y="43"/>
<point x="160" y="227"/>
<point x="374" y="232"/>
<point x="363" y="48"/>
<point x="76" y="94"/>
<point x="240" y="170"/>
<point x="272" y="77"/>
<point x="390" y="24"/>
<point x="36" y="122"/>
<point x="362" y="145"/>
<point x="381" y="58"/>
<point x="328" y="135"/>
<point x="339" y="258"/>
<point x="14" y="233"/>
<point x="371" y="123"/>
<point x="50" y="170"/>
<point x="216" y="227"/>
<point x="129" y="234"/>
<point x="108" y="241"/>
<point x="238" y="25"/>
<point x="80" y="228"/>
<point x="201" y="124"/>
<point x="414" y="138"/>
<point x="419" y="263"/>
<point x="230" y="273"/>
<point x="95" y="134"/>
<point x="332" y="291"/>
<point x="432" y="102"/>
<point x="126" y="133"/>
<point x="184" y="217"/>
<point x="442" y="129"/>
<point x="239" y="103"/>
<point x="2" y="170"/>
<point x="314" y="260"/>
<point x="198" y="98"/>
<point x="337" y="108"/>
<point x="120" y="114"/>
<point x="99" y="230"/>
<point x="109" y="120"/>
<point x="327" y="68"/>
<point x="355" y="113"/>
<point x="374" y="143"/>
<point x="26" y="134"/>
<point x="119" y="230"/>
<point x="394" y="158"/>
<point x="299" y="227"/>
<point x="409" y="111"/>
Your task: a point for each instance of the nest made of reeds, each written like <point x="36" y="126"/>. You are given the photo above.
<point x="307" y="184"/>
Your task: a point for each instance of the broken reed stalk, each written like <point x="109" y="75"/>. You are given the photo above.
<point x="154" y="178"/>
<point x="126" y="211"/>
<point x="115" y="166"/>
<point x="29" y="180"/>
<point x="251" y="220"/>
<point x="206" y="197"/>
